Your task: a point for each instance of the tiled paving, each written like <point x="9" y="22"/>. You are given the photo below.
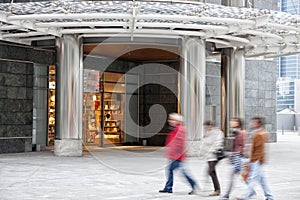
<point x="135" y="173"/>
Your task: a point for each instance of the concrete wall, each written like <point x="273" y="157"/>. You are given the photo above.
<point x="213" y="91"/>
<point x="16" y="95"/>
<point x="15" y="106"/>
<point x="260" y="93"/>
<point x="297" y="121"/>
<point x="285" y="122"/>
<point x="288" y="122"/>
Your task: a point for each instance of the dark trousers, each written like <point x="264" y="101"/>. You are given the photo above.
<point x="213" y="174"/>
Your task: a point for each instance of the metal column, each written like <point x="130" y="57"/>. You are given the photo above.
<point x="193" y="71"/>
<point x="69" y="97"/>
<point x="233" y="76"/>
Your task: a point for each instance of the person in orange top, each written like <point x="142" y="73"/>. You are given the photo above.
<point x="175" y="145"/>
<point x="257" y="159"/>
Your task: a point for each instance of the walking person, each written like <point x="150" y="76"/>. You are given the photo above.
<point x="257" y="159"/>
<point x="213" y="141"/>
<point x="175" y="145"/>
<point x="237" y="150"/>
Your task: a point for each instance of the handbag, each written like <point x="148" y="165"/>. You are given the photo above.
<point x="220" y="154"/>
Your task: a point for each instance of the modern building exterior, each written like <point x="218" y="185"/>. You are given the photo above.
<point x="108" y="72"/>
<point x="289" y="68"/>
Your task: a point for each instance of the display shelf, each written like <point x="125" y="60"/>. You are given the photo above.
<point x="51" y="117"/>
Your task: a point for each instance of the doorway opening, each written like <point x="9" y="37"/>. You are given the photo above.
<point x="104" y="108"/>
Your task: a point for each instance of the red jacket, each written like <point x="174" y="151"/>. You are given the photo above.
<point x="175" y="143"/>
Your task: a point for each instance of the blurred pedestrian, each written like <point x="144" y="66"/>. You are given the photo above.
<point x="257" y="159"/>
<point x="237" y="151"/>
<point x="175" y="145"/>
<point x="212" y="142"/>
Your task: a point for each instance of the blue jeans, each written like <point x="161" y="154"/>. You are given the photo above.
<point x="256" y="175"/>
<point x="174" y="164"/>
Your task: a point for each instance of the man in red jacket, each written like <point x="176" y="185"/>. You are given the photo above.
<point x="175" y="144"/>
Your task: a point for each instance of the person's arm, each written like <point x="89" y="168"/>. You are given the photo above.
<point x="219" y="142"/>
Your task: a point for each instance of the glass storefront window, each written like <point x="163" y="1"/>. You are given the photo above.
<point x="39" y="105"/>
<point x="103" y="112"/>
<point x="51" y="106"/>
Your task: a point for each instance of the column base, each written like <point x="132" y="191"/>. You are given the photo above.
<point x="193" y="148"/>
<point x="68" y="147"/>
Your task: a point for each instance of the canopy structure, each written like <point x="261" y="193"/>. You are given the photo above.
<point x="263" y="33"/>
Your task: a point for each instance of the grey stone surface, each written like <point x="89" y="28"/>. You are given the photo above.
<point x="16" y="94"/>
<point x="14" y="145"/>
<point x="260" y="92"/>
<point x="213" y="90"/>
<point x="68" y="147"/>
<point x="127" y="173"/>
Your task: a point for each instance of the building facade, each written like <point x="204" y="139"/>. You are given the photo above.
<point x="112" y="78"/>
<point x="289" y="69"/>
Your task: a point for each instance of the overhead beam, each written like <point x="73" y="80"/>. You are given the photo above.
<point x="10" y="27"/>
<point x="75" y="16"/>
<point x="233" y="38"/>
<point x="27" y="25"/>
<point x="273" y="49"/>
<point x="286" y="38"/>
<point x="20" y="35"/>
<point x="80" y="24"/>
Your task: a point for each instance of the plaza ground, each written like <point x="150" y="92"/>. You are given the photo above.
<point x="135" y="173"/>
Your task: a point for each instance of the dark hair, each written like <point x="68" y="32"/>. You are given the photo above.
<point x="209" y="123"/>
<point x="260" y="120"/>
<point x="240" y="121"/>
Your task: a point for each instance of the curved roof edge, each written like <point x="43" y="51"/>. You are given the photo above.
<point x="262" y="33"/>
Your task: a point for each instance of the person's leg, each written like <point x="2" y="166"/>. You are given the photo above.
<point x="213" y="174"/>
<point x="237" y="166"/>
<point x="264" y="185"/>
<point x="172" y="166"/>
<point x="231" y="181"/>
<point x="188" y="177"/>
<point x="252" y="179"/>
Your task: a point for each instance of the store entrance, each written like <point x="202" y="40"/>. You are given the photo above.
<point x="104" y="108"/>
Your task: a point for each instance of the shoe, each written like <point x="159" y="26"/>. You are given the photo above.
<point x="195" y="190"/>
<point x="192" y="192"/>
<point x="215" y="193"/>
<point x="253" y="194"/>
<point x="165" y="191"/>
<point x="224" y="197"/>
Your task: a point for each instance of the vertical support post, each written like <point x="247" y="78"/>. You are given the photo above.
<point x="69" y="97"/>
<point x="193" y="72"/>
<point x="233" y="76"/>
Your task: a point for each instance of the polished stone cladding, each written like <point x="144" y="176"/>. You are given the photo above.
<point x="213" y="90"/>
<point x="16" y="96"/>
<point x="260" y="93"/>
<point x="16" y="106"/>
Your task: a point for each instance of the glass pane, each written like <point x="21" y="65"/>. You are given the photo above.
<point x="113" y="77"/>
<point x="92" y="118"/>
<point x="113" y="117"/>
<point x="115" y="88"/>
<point x="91" y="80"/>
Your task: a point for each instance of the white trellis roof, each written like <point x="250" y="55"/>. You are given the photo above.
<point x="261" y="32"/>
